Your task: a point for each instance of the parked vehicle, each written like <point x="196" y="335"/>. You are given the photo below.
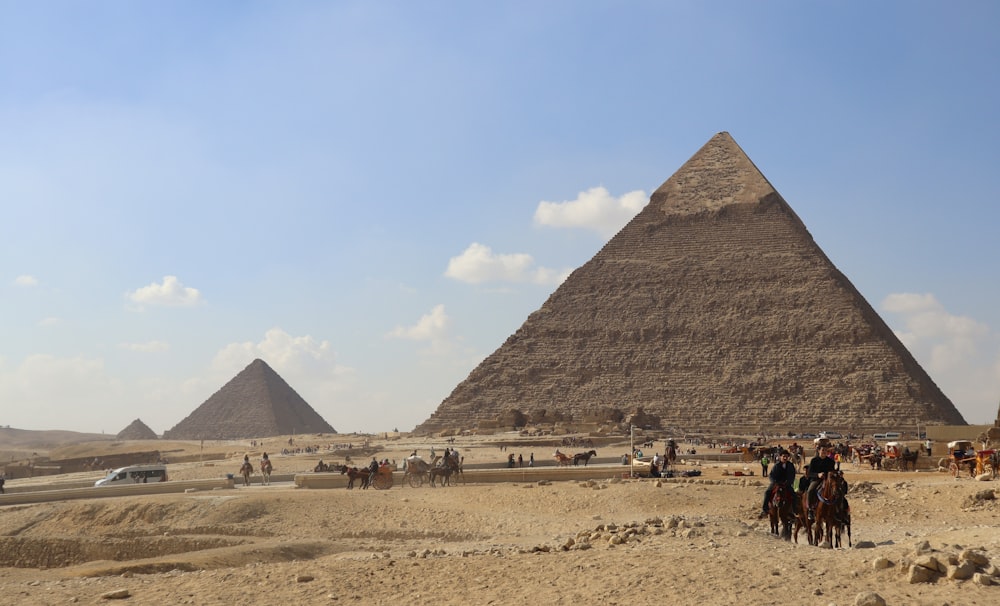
<point x="134" y="474"/>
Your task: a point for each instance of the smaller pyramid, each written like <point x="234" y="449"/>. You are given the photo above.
<point x="256" y="403"/>
<point x="137" y="430"/>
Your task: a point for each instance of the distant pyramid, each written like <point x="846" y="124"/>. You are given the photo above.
<point x="256" y="403"/>
<point x="713" y="308"/>
<point x="137" y="430"/>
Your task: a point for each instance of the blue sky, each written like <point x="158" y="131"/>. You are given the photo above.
<point x="371" y="196"/>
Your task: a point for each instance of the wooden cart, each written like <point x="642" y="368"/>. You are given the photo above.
<point x="383" y="478"/>
<point x="963" y="454"/>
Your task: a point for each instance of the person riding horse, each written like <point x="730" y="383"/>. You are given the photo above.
<point x="782" y="474"/>
<point x="819" y="466"/>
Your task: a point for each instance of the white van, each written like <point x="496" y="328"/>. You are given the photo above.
<point x="134" y="474"/>
<point x="889" y="435"/>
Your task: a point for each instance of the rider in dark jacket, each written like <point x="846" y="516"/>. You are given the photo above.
<point x="783" y="472"/>
<point x="818" y="466"/>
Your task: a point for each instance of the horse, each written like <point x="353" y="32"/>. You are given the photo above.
<point x="584" y="456"/>
<point x="353" y="473"/>
<point x="265" y="471"/>
<point x="246" y="469"/>
<point x="830" y="495"/>
<point x="562" y="459"/>
<point x="442" y="471"/>
<point x="454" y="465"/>
<point x="781" y="508"/>
<point x="802" y="519"/>
<point x="909" y="458"/>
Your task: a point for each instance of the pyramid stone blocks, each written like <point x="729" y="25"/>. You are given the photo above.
<point x="712" y="308"/>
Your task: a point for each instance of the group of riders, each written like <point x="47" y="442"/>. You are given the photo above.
<point x="264" y="462"/>
<point x="783" y="475"/>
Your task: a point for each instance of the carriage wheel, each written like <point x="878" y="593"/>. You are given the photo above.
<point x="382" y="481"/>
<point x="415" y="480"/>
<point x="954" y="470"/>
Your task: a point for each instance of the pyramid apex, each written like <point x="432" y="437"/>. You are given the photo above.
<point x="719" y="174"/>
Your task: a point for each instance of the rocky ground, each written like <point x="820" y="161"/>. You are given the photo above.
<point x="918" y="538"/>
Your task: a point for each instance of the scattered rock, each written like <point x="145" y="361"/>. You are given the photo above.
<point x="118" y="594"/>
<point x="869" y="598"/>
<point x="961" y="572"/>
<point x="977" y="558"/>
<point x="920" y="574"/>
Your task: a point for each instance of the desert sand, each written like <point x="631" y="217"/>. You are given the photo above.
<point x="622" y="541"/>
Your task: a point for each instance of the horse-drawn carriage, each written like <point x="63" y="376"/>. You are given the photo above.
<point x="898" y="457"/>
<point x="417" y="471"/>
<point x="964" y="454"/>
<point x="961" y="454"/>
<point x="867" y="454"/>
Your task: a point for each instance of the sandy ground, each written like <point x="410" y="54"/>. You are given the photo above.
<point x="683" y="541"/>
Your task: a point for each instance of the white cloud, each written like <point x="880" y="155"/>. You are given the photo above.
<point x="432" y="328"/>
<point x="478" y="264"/>
<point x="50" y="321"/>
<point x="169" y="293"/>
<point x="595" y="209"/>
<point x="26" y="281"/>
<point x="429" y="327"/>
<point x="148" y="347"/>
<point x="961" y="354"/>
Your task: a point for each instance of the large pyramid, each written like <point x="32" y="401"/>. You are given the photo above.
<point x="712" y="308"/>
<point x="256" y="403"/>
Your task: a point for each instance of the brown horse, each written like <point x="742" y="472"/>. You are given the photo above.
<point x="454" y="464"/>
<point x="584" y="456"/>
<point x="831" y="495"/>
<point x="780" y="509"/>
<point x="909" y="459"/>
<point x="353" y="473"/>
<point x="246" y="469"/>
<point x="444" y="472"/>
